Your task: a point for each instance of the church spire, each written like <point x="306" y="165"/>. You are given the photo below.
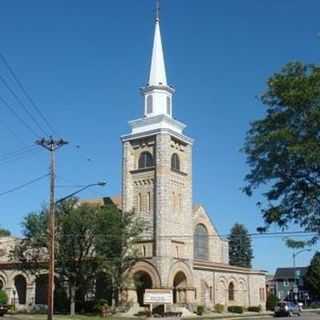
<point x="157" y="71"/>
<point x="157" y="94"/>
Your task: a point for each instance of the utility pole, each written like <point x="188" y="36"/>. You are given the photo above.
<point x="51" y="145"/>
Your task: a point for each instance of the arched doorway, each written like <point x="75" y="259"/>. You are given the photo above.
<point x="42" y="289"/>
<point x="179" y="288"/>
<point x="1" y="284"/>
<point x="20" y="284"/>
<point x="142" y="281"/>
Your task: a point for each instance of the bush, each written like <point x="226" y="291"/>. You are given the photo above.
<point x="272" y="301"/>
<point x="219" y="308"/>
<point x="235" y="309"/>
<point x="200" y="310"/>
<point x="3" y="297"/>
<point x="255" y="309"/>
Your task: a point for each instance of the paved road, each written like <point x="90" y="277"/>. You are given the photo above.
<point x="305" y="316"/>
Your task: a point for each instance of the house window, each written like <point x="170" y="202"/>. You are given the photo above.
<point x="149" y="104"/>
<point x="168" y="105"/>
<point x="145" y="160"/>
<point x="231" y="291"/>
<point x="201" y="239"/>
<point x="144" y="251"/>
<point x="175" y="162"/>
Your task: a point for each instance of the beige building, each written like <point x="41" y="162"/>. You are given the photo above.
<point x="182" y="249"/>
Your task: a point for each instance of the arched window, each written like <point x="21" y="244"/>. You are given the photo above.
<point x="231" y="291"/>
<point x="145" y="160"/>
<point x="168" y="105"/>
<point x="200" y="242"/>
<point x="149" y="104"/>
<point x="175" y="162"/>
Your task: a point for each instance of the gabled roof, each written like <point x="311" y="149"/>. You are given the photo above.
<point x="290" y="273"/>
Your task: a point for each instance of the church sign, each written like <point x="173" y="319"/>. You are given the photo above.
<point x="158" y="296"/>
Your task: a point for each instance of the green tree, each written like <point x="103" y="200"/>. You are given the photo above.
<point x="4" y="233"/>
<point x="125" y="229"/>
<point x="81" y="232"/>
<point x="283" y="148"/>
<point x="240" y="249"/>
<point x="312" y="276"/>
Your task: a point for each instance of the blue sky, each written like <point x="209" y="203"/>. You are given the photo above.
<point x="84" y="61"/>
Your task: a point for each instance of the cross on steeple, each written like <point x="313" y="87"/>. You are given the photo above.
<point x="157" y="10"/>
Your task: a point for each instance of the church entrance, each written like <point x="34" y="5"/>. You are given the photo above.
<point x="142" y="281"/>
<point x="179" y="288"/>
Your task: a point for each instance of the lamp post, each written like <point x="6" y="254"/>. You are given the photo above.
<point x="99" y="184"/>
<point x="295" y="285"/>
<point x="51" y="256"/>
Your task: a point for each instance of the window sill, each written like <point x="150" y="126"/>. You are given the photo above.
<point x="143" y="170"/>
<point x="179" y="172"/>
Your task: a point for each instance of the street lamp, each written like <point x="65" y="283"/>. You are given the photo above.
<point x="296" y="286"/>
<point x="297" y="253"/>
<point x="99" y="184"/>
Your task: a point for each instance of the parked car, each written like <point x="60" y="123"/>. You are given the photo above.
<point x="3" y="309"/>
<point x="287" y="309"/>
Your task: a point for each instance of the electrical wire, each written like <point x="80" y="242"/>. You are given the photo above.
<point x="24" y="185"/>
<point x="24" y="107"/>
<point x="11" y="109"/>
<point x="27" y="95"/>
<point x="17" y="152"/>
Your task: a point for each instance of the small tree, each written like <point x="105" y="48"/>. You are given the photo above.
<point x="4" y="233"/>
<point x="272" y="301"/>
<point x="312" y="276"/>
<point x="240" y="248"/>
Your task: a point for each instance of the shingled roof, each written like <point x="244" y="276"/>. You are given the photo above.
<point x="289" y="273"/>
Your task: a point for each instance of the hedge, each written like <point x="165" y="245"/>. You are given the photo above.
<point x="235" y="309"/>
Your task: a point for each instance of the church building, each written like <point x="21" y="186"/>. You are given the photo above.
<point x="182" y="250"/>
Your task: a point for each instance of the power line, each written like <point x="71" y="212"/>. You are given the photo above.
<point x="23" y="105"/>
<point x="18" y="138"/>
<point x="14" y="153"/>
<point x="23" y="155"/>
<point x="28" y="96"/>
<point x="24" y="185"/>
<point x="11" y="109"/>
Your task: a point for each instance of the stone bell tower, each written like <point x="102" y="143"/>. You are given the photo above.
<point x="157" y="171"/>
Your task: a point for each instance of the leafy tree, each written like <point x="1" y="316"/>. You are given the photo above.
<point x="124" y="230"/>
<point x="272" y="301"/>
<point x="283" y="148"/>
<point x="81" y="232"/>
<point x="240" y="249"/>
<point x="295" y="244"/>
<point x="4" y="233"/>
<point x="312" y="276"/>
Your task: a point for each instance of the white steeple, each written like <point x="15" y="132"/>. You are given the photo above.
<point x="157" y="94"/>
<point x="158" y="69"/>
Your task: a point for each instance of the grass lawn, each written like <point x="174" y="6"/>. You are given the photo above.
<point x="65" y="317"/>
<point x="86" y="317"/>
